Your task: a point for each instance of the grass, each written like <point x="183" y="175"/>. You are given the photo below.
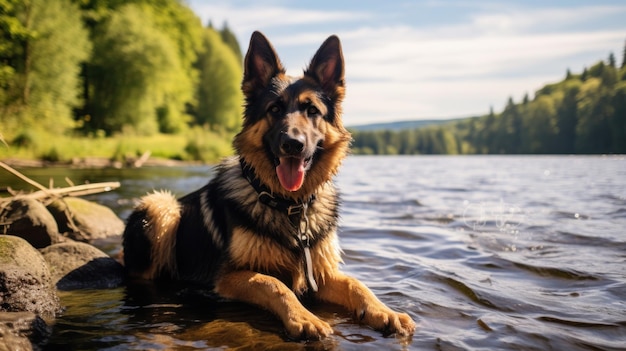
<point x="197" y="144"/>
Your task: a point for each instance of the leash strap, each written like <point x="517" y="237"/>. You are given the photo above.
<point x="303" y="238"/>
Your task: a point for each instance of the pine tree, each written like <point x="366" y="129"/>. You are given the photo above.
<point x="611" y="60"/>
<point x="567" y="118"/>
<point x="228" y="37"/>
<point x="624" y="56"/>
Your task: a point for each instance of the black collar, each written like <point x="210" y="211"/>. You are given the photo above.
<point x="291" y="207"/>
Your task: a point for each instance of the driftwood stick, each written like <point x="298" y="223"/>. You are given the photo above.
<point x="77" y="190"/>
<point x="50" y="194"/>
<point x="142" y="159"/>
<point x="22" y="177"/>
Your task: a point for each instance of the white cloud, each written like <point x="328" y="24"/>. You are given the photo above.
<point x="524" y="20"/>
<point x="244" y="20"/>
<point x="428" y="58"/>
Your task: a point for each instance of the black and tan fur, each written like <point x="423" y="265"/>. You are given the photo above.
<point x="225" y="237"/>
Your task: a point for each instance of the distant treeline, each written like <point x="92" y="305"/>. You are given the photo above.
<point x="102" y="67"/>
<point x="585" y="113"/>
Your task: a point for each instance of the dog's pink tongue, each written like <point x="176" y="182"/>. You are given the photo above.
<point x="290" y="173"/>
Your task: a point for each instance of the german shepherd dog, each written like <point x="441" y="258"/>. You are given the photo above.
<point x="264" y="229"/>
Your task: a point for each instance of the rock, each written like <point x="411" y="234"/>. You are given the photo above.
<point x="25" y="283"/>
<point x="29" y="219"/>
<point x="76" y="265"/>
<point x="93" y="221"/>
<point x="22" y="331"/>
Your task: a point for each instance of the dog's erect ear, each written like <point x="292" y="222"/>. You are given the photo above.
<point x="327" y="65"/>
<point x="261" y="64"/>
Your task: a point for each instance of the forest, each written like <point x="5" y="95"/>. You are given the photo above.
<point x="115" y="68"/>
<point x="115" y="78"/>
<point x="582" y="114"/>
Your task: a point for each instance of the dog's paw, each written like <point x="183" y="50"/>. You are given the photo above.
<point x="307" y="326"/>
<point x="387" y="321"/>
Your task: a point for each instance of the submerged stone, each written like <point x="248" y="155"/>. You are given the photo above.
<point x="20" y="330"/>
<point x="76" y="265"/>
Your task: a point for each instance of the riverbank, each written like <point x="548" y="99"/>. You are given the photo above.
<point x="99" y="162"/>
<point x="40" y="149"/>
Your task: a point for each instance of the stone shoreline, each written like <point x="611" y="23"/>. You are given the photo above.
<point x="44" y="249"/>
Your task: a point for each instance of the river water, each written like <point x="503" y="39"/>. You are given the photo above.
<point x="484" y="252"/>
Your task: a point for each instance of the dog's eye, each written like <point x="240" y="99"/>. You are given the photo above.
<point x="312" y="110"/>
<point x="274" y="109"/>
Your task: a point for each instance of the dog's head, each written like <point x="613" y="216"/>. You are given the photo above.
<point x="292" y="131"/>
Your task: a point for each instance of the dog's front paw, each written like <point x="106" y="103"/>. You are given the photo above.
<point x="306" y="325"/>
<point x="387" y="321"/>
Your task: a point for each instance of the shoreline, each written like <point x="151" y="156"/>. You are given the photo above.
<point x="99" y="162"/>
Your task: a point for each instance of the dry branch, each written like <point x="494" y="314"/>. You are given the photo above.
<point x="77" y="190"/>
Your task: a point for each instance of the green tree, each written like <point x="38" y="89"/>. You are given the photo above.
<point x="407" y="142"/>
<point x="184" y="29"/>
<point x="611" y="60"/>
<point x="624" y="57"/>
<point x="507" y="131"/>
<point x="39" y="70"/>
<point x="617" y="121"/>
<point x="539" y="126"/>
<point x="171" y="19"/>
<point x="219" y="95"/>
<point x="484" y="139"/>
<point x="594" y="112"/>
<point x="229" y="38"/>
<point x="449" y="145"/>
<point x="567" y="118"/>
<point x="15" y="34"/>
<point x="137" y="75"/>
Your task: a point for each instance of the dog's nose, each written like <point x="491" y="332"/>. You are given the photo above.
<point x="292" y="145"/>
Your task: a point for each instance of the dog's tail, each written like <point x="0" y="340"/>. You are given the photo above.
<point x="150" y="236"/>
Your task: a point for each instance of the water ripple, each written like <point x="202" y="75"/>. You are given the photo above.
<point x="485" y="253"/>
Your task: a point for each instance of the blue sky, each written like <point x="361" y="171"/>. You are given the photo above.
<point x="409" y="60"/>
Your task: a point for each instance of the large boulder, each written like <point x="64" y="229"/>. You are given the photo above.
<point x="25" y="283"/>
<point x="29" y="219"/>
<point x="76" y="265"/>
<point x="90" y="220"/>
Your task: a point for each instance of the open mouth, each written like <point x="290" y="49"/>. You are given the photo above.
<point x="291" y="171"/>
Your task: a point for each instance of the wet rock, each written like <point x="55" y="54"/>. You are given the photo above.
<point x="25" y="283"/>
<point x="22" y="331"/>
<point x="90" y="220"/>
<point x="76" y="265"/>
<point x="29" y="219"/>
